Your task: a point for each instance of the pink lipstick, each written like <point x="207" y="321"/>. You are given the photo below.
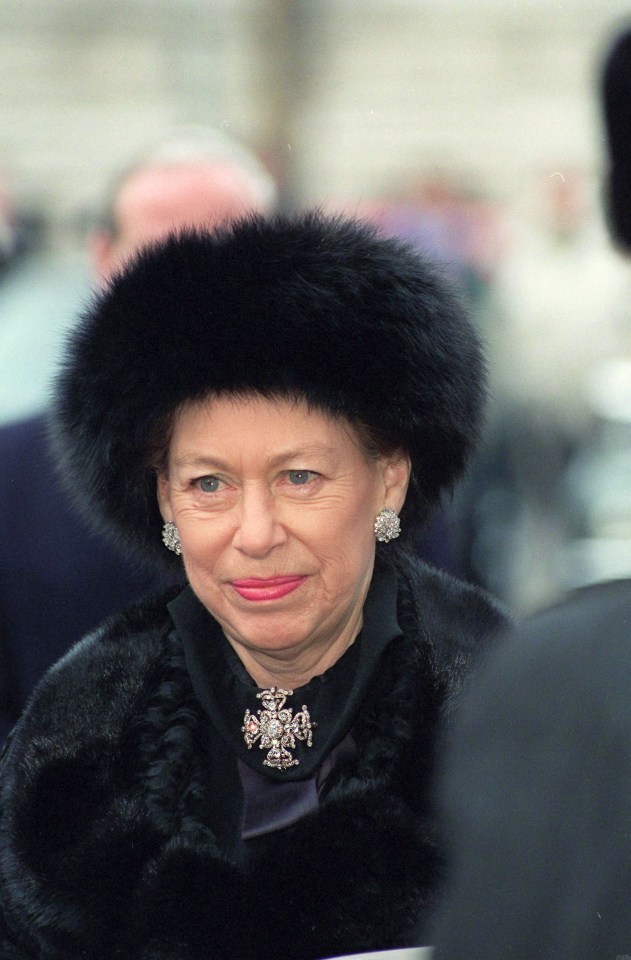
<point x="270" y="588"/>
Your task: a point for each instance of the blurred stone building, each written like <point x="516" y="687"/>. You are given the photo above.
<point x="345" y="98"/>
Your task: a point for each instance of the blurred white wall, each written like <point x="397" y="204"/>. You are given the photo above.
<point x="345" y="97"/>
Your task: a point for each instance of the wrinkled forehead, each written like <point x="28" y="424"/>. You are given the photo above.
<point x="243" y="428"/>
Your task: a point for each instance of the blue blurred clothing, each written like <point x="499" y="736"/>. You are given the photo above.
<point x="58" y="579"/>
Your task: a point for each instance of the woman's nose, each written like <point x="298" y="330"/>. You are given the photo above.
<point x="258" y="527"/>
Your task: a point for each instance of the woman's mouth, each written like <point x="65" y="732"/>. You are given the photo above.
<point x="270" y="588"/>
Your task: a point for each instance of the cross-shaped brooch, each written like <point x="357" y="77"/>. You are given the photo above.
<point x="277" y="729"/>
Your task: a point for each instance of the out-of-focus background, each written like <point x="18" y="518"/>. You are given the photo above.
<point x="471" y="127"/>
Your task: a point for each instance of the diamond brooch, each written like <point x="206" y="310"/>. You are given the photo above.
<point x="277" y="729"/>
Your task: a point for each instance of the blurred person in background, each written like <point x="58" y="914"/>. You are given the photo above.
<point x="59" y="578"/>
<point x="537" y="791"/>
<point x="597" y="487"/>
<point x="536" y="785"/>
<point x="43" y="290"/>
<point x="558" y="309"/>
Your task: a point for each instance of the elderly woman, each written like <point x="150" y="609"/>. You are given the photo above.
<point x="242" y="769"/>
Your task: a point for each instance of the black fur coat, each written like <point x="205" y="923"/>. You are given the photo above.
<point x="104" y="849"/>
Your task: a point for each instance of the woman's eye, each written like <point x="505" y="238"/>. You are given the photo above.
<point x="209" y="484"/>
<point x="299" y="477"/>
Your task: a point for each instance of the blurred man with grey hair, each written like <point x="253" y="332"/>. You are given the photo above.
<point x="199" y="178"/>
<point x="58" y="579"/>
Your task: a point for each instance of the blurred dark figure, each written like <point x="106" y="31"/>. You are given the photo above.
<point x="538" y="792"/>
<point x="616" y="88"/>
<point x="59" y="578"/>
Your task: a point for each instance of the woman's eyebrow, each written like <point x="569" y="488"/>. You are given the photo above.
<point x="298" y="453"/>
<point x="200" y="461"/>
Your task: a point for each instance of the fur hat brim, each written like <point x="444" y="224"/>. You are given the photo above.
<point x="324" y="308"/>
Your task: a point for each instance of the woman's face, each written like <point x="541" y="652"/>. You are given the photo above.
<point x="275" y="506"/>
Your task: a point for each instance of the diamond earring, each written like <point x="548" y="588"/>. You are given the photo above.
<point x="171" y="537"/>
<point x="387" y="525"/>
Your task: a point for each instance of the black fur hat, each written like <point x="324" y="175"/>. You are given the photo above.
<point x="616" y="91"/>
<point x="320" y="307"/>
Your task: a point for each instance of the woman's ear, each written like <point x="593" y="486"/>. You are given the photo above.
<point x="396" y="477"/>
<point x="163" y="494"/>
